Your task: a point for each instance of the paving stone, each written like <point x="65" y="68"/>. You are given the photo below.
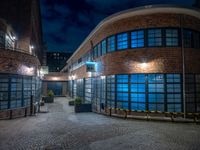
<point x="62" y="129"/>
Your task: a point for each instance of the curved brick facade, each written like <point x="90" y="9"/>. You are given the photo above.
<point x="144" y="59"/>
<point x="162" y="60"/>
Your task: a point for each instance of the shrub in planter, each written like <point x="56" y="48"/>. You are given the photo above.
<point x="78" y="101"/>
<point x="71" y="103"/>
<point x="81" y="106"/>
<point x="50" y="97"/>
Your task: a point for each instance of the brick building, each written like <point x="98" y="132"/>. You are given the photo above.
<point x="56" y="60"/>
<point x="143" y="59"/>
<point x="21" y="56"/>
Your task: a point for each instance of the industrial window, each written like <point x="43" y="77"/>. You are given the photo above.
<point x="190" y="92"/>
<point x="4" y="88"/>
<point x="27" y="90"/>
<point x="196" y="38"/>
<point x="16" y="91"/>
<point x="80" y="88"/>
<point x="111" y="44"/>
<point x="122" y="91"/>
<point x="154" y="37"/>
<point x="156" y="92"/>
<point x="110" y="85"/>
<point x="173" y="91"/>
<point x="137" y="39"/>
<point x="88" y="89"/>
<point x="99" y="50"/>
<point x="172" y="37"/>
<point x="138" y="89"/>
<point x="187" y="35"/>
<point x="122" y="41"/>
<point x="103" y="47"/>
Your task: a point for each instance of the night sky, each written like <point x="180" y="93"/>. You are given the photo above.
<point x="66" y="23"/>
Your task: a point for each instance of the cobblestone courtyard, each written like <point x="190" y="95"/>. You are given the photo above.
<point x="61" y="128"/>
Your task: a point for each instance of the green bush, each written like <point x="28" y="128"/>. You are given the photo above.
<point x="78" y="101"/>
<point x="50" y="93"/>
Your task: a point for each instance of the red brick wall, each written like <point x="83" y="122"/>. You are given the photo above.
<point x="159" y="60"/>
<point x="12" y="62"/>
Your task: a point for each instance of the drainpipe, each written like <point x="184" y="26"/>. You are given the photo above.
<point x="183" y="64"/>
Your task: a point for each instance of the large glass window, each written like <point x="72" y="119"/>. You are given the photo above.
<point x="122" y="91"/>
<point x="88" y="89"/>
<point x="173" y="92"/>
<point x="138" y="89"/>
<point x="156" y="92"/>
<point x="16" y="92"/>
<point x="4" y="83"/>
<point x="190" y="92"/>
<point x="187" y="34"/>
<point x="137" y="39"/>
<point x="171" y="37"/>
<point x="122" y="41"/>
<point x="110" y="85"/>
<point x="154" y="37"/>
<point x="103" y="47"/>
<point x="27" y="91"/>
<point x="111" y="44"/>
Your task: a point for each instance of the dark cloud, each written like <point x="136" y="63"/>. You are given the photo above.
<point x="66" y="23"/>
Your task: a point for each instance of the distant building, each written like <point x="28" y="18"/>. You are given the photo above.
<point x="56" y="60"/>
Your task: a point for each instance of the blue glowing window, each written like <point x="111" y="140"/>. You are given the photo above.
<point x="135" y="97"/>
<point x="122" y="78"/>
<point x="156" y="98"/>
<point x="138" y="78"/>
<point x="122" y="87"/>
<point x="173" y="78"/>
<point x="103" y="47"/>
<point x="174" y="98"/>
<point x="137" y="106"/>
<point x="173" y="88"/>
<point x="122" y="96"/>
<point x="137" y="87"/>
<point x="122" y="105"/>
<point x="156" y="107"/>
<point x="111" y="44"/>
<point x="155" y="78"/>
<point x="172" y="37"/>
<point x="137" y="39"/>
<point x="174" y="107"/>
<point x="154" y="37"/>
<point x="156" y="88"/>
<point x="122" y="41"/>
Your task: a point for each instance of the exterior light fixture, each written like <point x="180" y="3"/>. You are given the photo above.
<point x="14" y="38"/>
<point x="143" y="65"/>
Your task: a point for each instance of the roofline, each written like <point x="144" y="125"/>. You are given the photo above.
<point x="148" y="9"/>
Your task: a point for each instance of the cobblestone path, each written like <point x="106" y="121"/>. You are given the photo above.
<point x="61" y="129"/>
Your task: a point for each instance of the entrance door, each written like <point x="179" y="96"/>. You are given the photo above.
<point x="56" y="87"/>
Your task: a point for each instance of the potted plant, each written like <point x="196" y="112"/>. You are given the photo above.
<point x="81" y="106"/>
<point x="50" y="97"/>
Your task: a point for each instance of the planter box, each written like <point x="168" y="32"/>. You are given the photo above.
<point x="83" y="108"/>
<point x="48" y="99"/>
